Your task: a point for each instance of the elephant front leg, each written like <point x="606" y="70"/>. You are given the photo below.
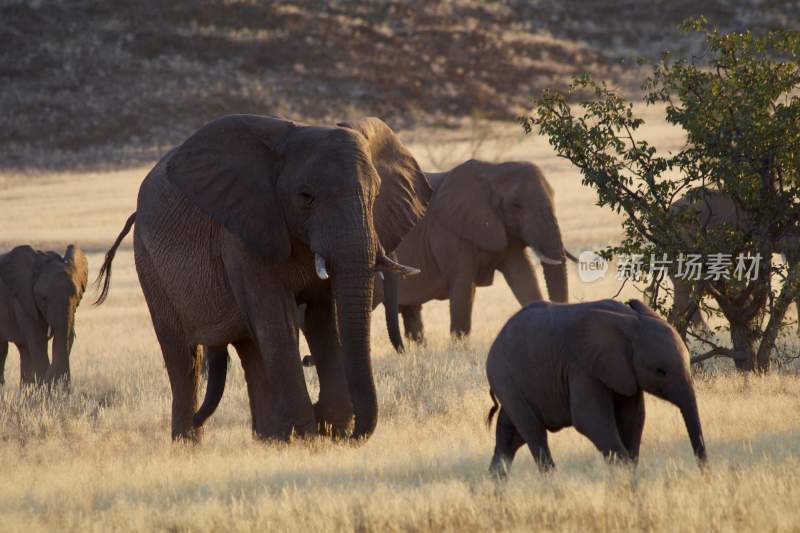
<point x="685" y="310"/>
<point x="275" y="381"/>
<point x="462" y="296"/>
<point x="629" y="413"/>
<point x="592" y="409"/>
<point x="412" y="321"/>
<point x="334" y="410"/>
<point x="519" y="274"/>
<point x="33" y="359"/>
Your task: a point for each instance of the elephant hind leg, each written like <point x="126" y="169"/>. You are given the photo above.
<point x="412" y="321"/>
<point x="182" y="358"/>
<point x="507" y="442"/>
<point x="530" y="428"/>
<point x="183" y="362"/>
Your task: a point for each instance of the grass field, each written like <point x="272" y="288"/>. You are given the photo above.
<point x="99" y="458"/>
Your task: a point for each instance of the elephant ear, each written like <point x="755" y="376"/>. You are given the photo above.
<point x="18" y="271"/>
<point x="78" y="267"/>
<point x="642" y="308"/>
<point x="228" y="169"/>
<point x="463" y="205"/>
<point x="405" y="190"/>
<point x="600" y="343"/>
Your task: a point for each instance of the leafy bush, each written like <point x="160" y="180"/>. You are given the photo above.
<point x="740" y="109"/>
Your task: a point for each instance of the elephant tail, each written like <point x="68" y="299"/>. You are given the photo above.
<point x="493" y="410"/>
<point x="217" y="373"/>
<point x="391" y="306"/>
<point x="570" y="256"/>
<point x="105" y="271"/>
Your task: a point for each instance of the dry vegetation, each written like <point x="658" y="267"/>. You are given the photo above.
<point x="99" y="457"/>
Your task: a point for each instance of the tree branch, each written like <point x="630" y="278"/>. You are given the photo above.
<point x="714" y="352"/>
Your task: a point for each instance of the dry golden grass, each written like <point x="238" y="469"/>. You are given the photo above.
<point x="99" y="457"/>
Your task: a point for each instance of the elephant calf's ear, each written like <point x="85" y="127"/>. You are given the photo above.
<point x="405" y="190"/>
<point x="17" y="272"/>
<point x="228" y="169"/>
<point x="600" y="344"/>
<point x="78" y="267"/>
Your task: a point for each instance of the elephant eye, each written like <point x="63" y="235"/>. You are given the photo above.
<point x="661" y="372"/>
<point x="306" y="197"/>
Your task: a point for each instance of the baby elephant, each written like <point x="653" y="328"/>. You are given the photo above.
<point x="585" y="365"/>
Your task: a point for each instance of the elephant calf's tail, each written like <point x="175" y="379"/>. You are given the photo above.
<point x="105" y="270"/>
<point x="493" y="409"/>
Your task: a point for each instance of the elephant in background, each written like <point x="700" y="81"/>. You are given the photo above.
<point x="713" y="210"/>
<point x="481" y="219"/>
<point x="250" y="217"/>
<point x="39" y="295"/>
<point x="585" y="365"/>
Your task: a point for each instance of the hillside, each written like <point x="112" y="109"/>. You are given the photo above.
<point x="112" y="81"/>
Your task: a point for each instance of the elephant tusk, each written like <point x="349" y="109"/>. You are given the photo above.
<point x="544" y="259"/>
<point x="319" y="264"/>
<point x="385" y="264"/>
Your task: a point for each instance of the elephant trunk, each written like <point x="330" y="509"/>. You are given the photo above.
<point x="555" y="276"/>
<point x="545" y="240"/>
<point x="693" y="427"/>
<point x="352" y="283"/>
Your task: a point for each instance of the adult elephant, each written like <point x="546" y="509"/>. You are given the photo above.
<point x="39" y="294"/>
<point x="481" y="219"/>
<point x="713" y="210"/>
<point x="250" y="216"/>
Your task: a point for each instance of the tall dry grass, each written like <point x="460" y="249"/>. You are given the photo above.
<point x="98" y="458"/>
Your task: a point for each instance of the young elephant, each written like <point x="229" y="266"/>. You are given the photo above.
<point x="585" y="365"/>
<point x="39" y="293"/>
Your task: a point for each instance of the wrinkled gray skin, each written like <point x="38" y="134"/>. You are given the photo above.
<point x="714" y="210"/>
<point x="481" y="219"/>
<point x="39" y="295"/>
<point x="247" y="218"/>
<point x="586" y="365"/>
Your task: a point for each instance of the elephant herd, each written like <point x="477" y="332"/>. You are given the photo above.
<point x="253" y="217"/>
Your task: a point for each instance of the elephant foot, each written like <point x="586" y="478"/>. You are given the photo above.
<point x="286" y="433"/>
<point x="332" y="424"/>
<point x="191" y="436"/>
<point x="498" y="470"/>
<point x="57" y="379"/>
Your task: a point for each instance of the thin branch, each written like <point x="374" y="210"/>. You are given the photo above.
<point x="714" y="352"/>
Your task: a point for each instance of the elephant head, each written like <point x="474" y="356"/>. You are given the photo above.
<point x="494" y="204"/>
<point x="341" y="195"/>
<point x="631" y="349"/>
<point x="49" y="289"/>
